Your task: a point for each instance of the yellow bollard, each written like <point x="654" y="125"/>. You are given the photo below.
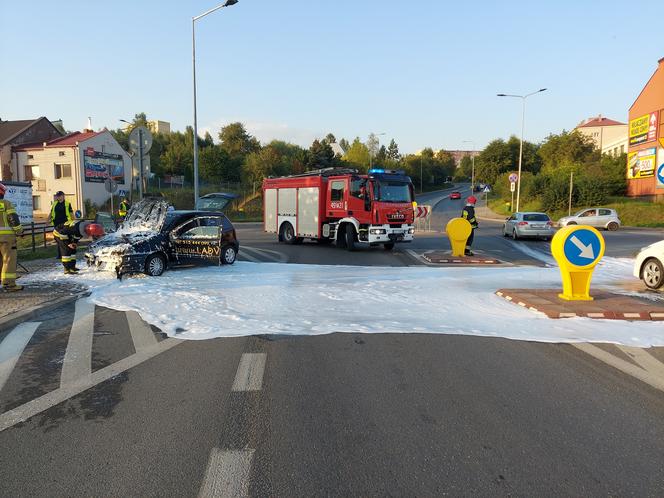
<point x="458" y="230"/>
<point x="577" y="249"/>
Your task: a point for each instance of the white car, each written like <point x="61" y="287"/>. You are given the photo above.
<point x="595" y="217"/>
<point x="649" y="265"/>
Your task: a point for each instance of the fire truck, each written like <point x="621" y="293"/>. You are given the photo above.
<point x="341" y="205"/>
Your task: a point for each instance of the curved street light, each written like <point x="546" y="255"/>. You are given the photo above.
<point x="228" y="3"/>
<point x="523" y="122"/>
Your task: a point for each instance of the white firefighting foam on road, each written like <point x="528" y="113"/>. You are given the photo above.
<point x="250" y="298"/>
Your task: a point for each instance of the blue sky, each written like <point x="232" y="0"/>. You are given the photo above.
<point x="423" y="72"/>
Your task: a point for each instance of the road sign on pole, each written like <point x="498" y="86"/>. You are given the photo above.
<point x="513" y="178"/>
<point x="577" y="249"/>
<point x="512" y="186"/>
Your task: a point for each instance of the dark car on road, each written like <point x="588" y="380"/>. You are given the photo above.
<point x="152" y="239"/>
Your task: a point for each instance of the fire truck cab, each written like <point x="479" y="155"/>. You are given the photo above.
<point x="341" y="205"/>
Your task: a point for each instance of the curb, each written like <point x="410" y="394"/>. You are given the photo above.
<point x="25" y="315"/>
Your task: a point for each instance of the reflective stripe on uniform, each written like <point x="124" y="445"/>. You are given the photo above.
<point x="59" y="235"/>
<point x="8" y="276"/>
<point x="67" y="259"/>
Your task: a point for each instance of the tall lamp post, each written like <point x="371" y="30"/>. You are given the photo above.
<point x="523" y="122"/>
<point x="374" y="135"/>
<point x="472" y="158"/>
<point x="227" y="3"/>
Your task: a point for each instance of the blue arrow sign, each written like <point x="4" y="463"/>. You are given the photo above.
<point x="660" y="173"/>
<point x="582" y="247"/>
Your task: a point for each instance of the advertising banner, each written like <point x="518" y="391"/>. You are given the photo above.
<point x="643" y="129"/>
<point x="20" y="195"/>
<point x="641" y="164"/>
<point x="99" y="166"/>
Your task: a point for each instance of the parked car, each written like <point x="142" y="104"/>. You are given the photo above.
<point x="649" y="265"/>
<point x="455" y="195"/>
<point x="595" y="217"/>
<point x="152" y="239"/>
<point x="106" y="220"/>
<point x="522" y="225"/>
<point x="214" y="202"/>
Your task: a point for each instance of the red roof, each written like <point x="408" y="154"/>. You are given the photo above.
<point x="69" y="140"/>
<point x="600" y="121"/>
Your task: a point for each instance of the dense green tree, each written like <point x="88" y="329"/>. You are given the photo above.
<point x="236" y="141"/>
<point x="357" y="155"/>
<point x="321" y="155"/>
<point x="381" y="157"/>
<point x="567" y="149"/>
<point x="329" y="139"/>
<point x="214" y="164"/>
<point x="343" y="143"/>
<point x="260" y="164"/>
<point x="393" y="151"/>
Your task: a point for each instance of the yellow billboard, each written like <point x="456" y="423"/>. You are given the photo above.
<point x="641" y="164"/>
<point x="643" y="129"/>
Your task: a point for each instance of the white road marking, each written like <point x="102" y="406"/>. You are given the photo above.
<point x="12" y="346"/>
<point x="227" y="474"/>
<point x="141" y="333"/>
<point x="645" y="360"/>
<point x="78" y="357"/>
<point x="650" y="377"/>
<point x="275" y="256"/>
<point x="38" y="405"/>
<point x="245" y="254"/>
<point x="249" y="376"/>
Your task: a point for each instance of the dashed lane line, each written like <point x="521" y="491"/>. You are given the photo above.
<point x="245" y="254"/>
<point x="12" y="346"/>
<point x="227" y="474"/>
<point x="77" y="363"/>
<point x="249" y="375"/>
<point x="38" y="405"/>
<point x="141" y="333"/>
<point x="651" y="373"/>
<point x="273" y="256"/>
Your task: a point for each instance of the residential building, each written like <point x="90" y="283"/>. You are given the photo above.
<point x="645" y="159"/>
<point x="77" y="164"/>
<point x="16" y="133"/>
<point x="157" y="126"/>
<point x="609" y="136"/>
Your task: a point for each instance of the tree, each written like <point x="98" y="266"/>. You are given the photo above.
<point x="321" y="155"/>
<point x="214" y="164"/>
<point x="372" y="144"/>
<point x="357" y="154"/>
<point x="393" y="151"/>
<point x="260" y="164"/>
<point x="343" y="143"/>
<point x="329" y="139"/>
<point x="207" y="140"/>
<point x="140" y="119"/>
<point x="567" y="149"/>
<point x="236" y="141"/>
<point x="381" y="157"/>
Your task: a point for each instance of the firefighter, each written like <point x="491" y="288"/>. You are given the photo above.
<point x="123" y="208"/>
<point x="67" y="236"/>
<point x="61" y="210"/>
<point x="10" y="227"/>
<point x="468" y="214"/>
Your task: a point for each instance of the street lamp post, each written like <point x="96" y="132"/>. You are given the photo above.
<point x="370" y="155"/>
<point x="472" y="158"/>
<point x="228" y="3"/>
<point x="523" y="124"/>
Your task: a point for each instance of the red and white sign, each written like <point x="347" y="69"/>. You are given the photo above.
<point x="652" y="126"/>
<point x="514" y="177"/>
<point x="422" y="211"/>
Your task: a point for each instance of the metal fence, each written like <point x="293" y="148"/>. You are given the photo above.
<point x="35" y="229"/>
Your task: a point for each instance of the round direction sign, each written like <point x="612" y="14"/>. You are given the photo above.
<point x="514" y="177"/>
<point x="660" y="173"/>
<point x="579" y="246"/>
<point x="110" y="185"/>
<point x="138" y="135"/>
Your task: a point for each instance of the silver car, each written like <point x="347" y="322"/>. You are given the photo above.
<point x="595" y="217"/>
<point x="522" y="225"/>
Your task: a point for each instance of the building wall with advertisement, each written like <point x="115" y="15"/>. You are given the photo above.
<point x="646" y="139"/>
<point x="77" y="164"/>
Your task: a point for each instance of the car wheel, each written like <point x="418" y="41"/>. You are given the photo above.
<point x="228" y="255"/>
<point x="155" y="265"/>
<point x="505" y="234"/>
<point x="350" y="237"/>
<point x="515" y="236"/>
<point x="613" y="226"/>
<point x="571" y="223"/>
<point x="388" y="246"/>
<point x="652" y="273"/>
<point x="288" y="233"/>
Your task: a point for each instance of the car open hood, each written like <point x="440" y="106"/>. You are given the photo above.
<point x="144" y="216"/>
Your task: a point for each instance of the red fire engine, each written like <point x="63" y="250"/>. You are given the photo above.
<point x="338" y="204"/>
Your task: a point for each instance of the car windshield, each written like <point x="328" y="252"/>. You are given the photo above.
<point x="535" y="217"/>
<point x="213" y="203"/>
<point x="393" y="191"/>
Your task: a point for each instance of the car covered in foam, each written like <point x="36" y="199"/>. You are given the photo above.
<point x="154" y="237"/>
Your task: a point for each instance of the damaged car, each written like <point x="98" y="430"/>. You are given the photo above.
<point x="153" y="238"/>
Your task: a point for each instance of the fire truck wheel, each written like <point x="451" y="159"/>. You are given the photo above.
<point x="350" y="237"/>
<point x="389" y="246"/>
<point x="288" y="233"/>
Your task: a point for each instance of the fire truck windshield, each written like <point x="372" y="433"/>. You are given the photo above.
<point x="392" y="191"/>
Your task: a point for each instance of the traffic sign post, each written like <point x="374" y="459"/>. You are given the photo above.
<point x="458" y="230"/>
<point x="577" y="249"/>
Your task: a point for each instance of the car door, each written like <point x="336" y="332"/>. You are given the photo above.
<point x="509" y="223"/>
<point x="603" y="218"/>
<point x="337" y="203"/>
<point x="199" y="241"/>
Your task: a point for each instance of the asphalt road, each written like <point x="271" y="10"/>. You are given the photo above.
<point x="335" y="415"/>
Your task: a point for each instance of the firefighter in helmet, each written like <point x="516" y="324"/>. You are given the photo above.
<point x="68" y="235"/>
<point x="123" y="208"/>
<point x="468" y="214"/>
<point x="10" y="227"/>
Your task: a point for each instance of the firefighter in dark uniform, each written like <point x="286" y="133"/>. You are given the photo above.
<point x="123" y="208"/>
<point x="10" y="227"/>
<point x="67" y="236"/>
<point x="61" y="212"/>
<point x="468" y="214"/>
